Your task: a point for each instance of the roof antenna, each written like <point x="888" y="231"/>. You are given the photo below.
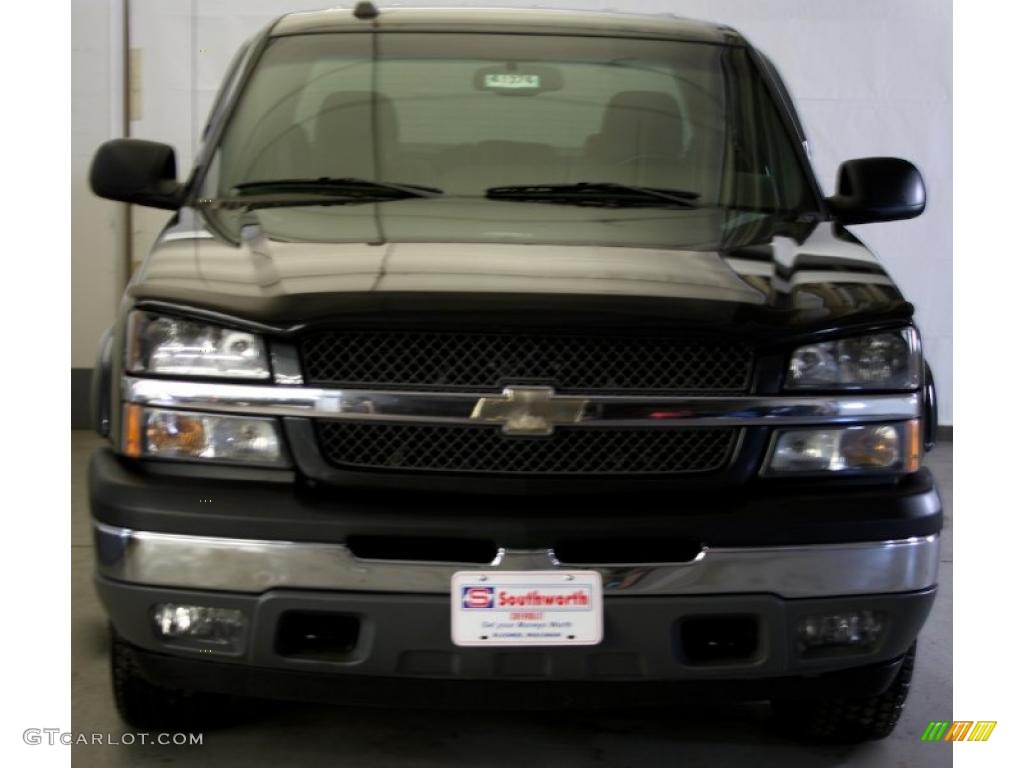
<point x="366" y="11"/>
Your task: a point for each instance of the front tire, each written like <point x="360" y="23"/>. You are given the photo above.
<point x="146" y="705"/>
<point x="848" y="720"/>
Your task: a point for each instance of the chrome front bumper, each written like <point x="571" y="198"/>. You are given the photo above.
<point x="255" y="566"/>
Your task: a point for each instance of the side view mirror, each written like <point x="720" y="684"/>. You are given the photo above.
<point x="877" y="189"/>
<point x="136" y="171"/>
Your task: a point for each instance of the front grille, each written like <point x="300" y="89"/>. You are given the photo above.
<point x="486" y="449"/>
<point x="485" y="361"/>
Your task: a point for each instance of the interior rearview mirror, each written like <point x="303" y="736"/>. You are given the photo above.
<point x="874" y="189"/>
<point x="136" y="171"/>
<point x="514" y="80"/>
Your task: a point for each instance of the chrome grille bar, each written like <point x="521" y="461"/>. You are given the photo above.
<point x="458" y="407"/>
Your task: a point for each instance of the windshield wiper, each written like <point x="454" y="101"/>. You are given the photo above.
<point x="283" y="193"/>
<point x="608" y="194"/>
<point x="337" y="186"/>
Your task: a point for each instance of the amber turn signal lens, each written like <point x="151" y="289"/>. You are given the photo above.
<point x="132" y="430"/>
<point x="912" y="461"/>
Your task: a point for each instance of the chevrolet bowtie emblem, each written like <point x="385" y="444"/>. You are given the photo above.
<point x="529" y="410"/>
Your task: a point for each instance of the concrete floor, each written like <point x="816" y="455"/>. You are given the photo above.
<point x="290" y="734"/>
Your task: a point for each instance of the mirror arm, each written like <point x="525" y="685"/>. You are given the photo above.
<point x="170" y="197"/>
<point x="845" y="211"/>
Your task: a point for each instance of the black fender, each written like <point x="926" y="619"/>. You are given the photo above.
<point x="930" y="428"/>
<point x="100" y="393"/>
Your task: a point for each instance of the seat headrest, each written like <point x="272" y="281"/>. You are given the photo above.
<point x="642" y="123"/>
<point x="346" y="119"/>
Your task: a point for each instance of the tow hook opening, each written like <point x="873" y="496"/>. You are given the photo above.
<point x="718" y="639"/>
<point x="317" y="636"/>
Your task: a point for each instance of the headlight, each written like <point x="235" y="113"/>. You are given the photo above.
<point x="853" y="449"/>
<point x="190" y="435"/>
<point x="174" y="345"/>
<point x="889" y="360"/>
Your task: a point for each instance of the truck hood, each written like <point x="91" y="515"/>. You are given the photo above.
<point x="294" y="267"/>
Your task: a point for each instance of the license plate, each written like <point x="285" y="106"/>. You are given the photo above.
<point x="523" y="608"/>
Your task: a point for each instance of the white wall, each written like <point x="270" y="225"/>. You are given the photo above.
<point x="869" y="77"/>
<point x="183" y="58"/>
<point x="97" y="252"/>
<point x="872" y="77"/>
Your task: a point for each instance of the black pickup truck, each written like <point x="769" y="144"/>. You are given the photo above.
<point x="511" y="355"/>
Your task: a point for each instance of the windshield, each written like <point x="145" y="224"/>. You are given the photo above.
<point x="473" y="115"/>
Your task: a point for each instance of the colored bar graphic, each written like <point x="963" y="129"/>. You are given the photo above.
<point x="982" y="730"/>
<point x="958" y="730"/>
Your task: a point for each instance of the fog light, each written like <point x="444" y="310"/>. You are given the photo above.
<point x="191" y="435"/>
<point x="872" y="447"/>
<point x="856" y="629"/>
<point x="200" y="625"/>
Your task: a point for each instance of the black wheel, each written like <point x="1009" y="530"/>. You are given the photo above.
<point x="848" y="720"/>
<point x="146" y="705"/>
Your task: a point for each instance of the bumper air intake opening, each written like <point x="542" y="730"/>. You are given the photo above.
<point x="634" y="551"/>
<point x="317" y="636"/>
<point x="718" y="639"/>
<point x="423" y="549"/>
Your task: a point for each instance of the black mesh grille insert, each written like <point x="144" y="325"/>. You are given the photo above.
<point x="454" y="360"/>
<point x="485" y="449"/>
